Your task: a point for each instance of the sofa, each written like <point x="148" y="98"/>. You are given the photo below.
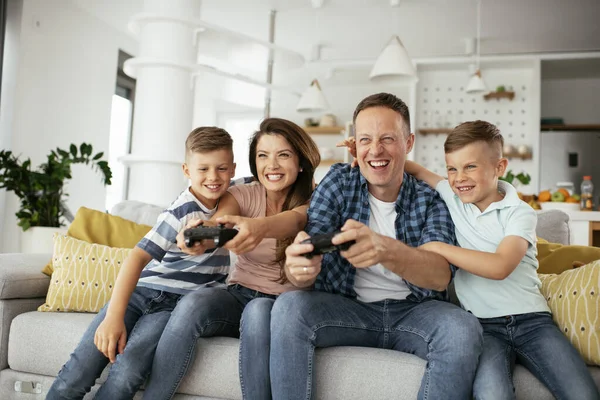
<point x="34" y="345"/>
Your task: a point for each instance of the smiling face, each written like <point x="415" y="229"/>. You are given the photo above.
<point x="209" y="173"/>
<point x="277" y="164"/>
<point x="473" y="173"/>
<point x="382" y="143"/>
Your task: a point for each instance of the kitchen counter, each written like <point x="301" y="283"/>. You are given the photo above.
<point x="585" y="227"/>
<point x="584" y="215"/>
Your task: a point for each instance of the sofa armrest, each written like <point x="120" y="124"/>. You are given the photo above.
<point x="21" y="276"/>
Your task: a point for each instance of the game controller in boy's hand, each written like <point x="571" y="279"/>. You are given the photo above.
<point x="219" y="234"/>
<point x="322" y="244"/>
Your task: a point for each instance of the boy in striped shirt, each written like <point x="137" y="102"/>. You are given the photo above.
<point x="153" y="278"/>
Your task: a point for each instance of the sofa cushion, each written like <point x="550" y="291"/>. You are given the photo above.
<point x="573" y="298"/>
<point x="20" y="276"/>
<point x="99" y="227"/>
<point x="553" y="225"/>
<point x="32" y="332"/>
<point x="84" y="275"/>
<point x="138" y="212"/>
<point x="555" y="258"/>
<point x="341" y="373"/>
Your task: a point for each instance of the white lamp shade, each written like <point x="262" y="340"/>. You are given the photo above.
<point x="476" y="84"/>
<point x="393" y="62"/>
<point x="312" y="99"/>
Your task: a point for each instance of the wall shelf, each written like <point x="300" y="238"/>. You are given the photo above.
<point x="433" y="131"/>
<point x="526" y="156"/>
<point x="577" y="127"/>
<point x="499" y="95"/>
<point x="324" y="130"/>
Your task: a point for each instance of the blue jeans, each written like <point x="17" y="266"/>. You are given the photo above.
<point x="147" y="313"/>
<point x="447" y="337"/>
<point x="534" y="340"/>
<point x="255" y="343"/>
<point x="203" y="313"/>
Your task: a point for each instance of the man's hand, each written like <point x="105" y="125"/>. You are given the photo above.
<point x="198" y="247"/>
<point x="350" y="143"/>
<point x="251" y="233"/>
<point x="301" y="271"/>
<point x="111" y="337"/>
<point x="369" y="248"/>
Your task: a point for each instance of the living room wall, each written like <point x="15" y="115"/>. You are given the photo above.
<point x="63" y="91"/>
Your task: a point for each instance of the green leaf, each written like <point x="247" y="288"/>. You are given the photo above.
<point x="73" y="149"/>
<point x="98" y="156"/>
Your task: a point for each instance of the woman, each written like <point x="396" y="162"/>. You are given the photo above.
<point x="268" y="214"/>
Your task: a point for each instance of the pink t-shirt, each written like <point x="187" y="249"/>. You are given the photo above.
<point x="256" y="269"/>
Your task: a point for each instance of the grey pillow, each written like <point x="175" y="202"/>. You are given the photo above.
<point x="553" y="225"/>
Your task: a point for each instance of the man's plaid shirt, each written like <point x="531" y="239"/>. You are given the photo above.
<point x="342" y="194"/>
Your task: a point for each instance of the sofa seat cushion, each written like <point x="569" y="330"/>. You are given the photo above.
<point x="341" y="373"/>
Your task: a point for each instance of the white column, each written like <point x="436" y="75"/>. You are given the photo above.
<point x="164" y="98"/>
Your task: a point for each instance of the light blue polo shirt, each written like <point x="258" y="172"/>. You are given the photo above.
<point x="519" y="293"/>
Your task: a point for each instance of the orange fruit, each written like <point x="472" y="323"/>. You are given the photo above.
<point x="565" y="192"/>
<point x="571" y="200"/>
<point x="544" y="196"/>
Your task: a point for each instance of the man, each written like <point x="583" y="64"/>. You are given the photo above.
<point x="384" y="291"/>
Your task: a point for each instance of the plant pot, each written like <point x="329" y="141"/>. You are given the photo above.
<point x="39" y="239"/>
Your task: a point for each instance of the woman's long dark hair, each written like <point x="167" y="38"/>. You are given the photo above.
<point x="308" y="155"/>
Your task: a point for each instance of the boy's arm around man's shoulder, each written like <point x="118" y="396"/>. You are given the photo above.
<point x="519" y="234"/>
<point x="422" y="173"/>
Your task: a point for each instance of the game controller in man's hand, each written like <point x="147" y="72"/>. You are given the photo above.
<point x="219" y="234"/>
<point x="322" y="244"/>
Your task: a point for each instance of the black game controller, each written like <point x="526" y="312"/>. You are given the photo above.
<point x="219" y="234"/>
<point x="322" y="244"/>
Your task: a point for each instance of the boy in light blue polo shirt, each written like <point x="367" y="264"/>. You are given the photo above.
<point x="497" y="280"/>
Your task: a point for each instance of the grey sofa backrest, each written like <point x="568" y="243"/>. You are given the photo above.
<point x="553" y="225"/>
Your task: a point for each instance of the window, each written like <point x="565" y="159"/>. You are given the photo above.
<point x="241" y="127"/>
<point x="2" y="34"/>
<point x="119" y="143"/>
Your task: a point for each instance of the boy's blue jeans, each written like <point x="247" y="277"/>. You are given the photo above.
<point x="147" y="314"/>
<point x="534" y="340"/>
<point x="447" y="337"/>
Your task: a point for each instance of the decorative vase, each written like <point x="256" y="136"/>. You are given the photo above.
<point x="39" y="239"/>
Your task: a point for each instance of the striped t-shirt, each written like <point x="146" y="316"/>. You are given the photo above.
<point x="171" y="269"/>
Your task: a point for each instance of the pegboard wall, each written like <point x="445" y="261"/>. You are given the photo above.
<point x="442" y="102"/>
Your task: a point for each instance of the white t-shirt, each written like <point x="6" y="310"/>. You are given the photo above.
<point x="378" y="283"/>
<point x="519" y="293"/>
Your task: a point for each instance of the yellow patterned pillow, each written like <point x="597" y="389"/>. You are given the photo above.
<point x="84" y="275"/>
<point x="573" y="297"/>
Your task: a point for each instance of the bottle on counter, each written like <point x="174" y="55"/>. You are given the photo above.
<point x="587" y="194"/>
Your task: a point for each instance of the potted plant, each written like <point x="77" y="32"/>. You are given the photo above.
<point x="41" y="190"/>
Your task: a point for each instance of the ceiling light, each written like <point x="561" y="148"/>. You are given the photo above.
<point x="312" y="99"/>
<point x="476" y="84"/>
<point x="393" y="62"/>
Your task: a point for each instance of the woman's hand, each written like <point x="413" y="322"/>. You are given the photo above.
<point x="251" y="232"/>
<point x="350" y="143"/>
<point x="301" y="271"/>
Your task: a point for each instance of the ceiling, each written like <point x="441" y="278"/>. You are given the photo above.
<point x="358" y="29"/>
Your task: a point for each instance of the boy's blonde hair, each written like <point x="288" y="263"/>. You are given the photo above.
<point x="207" y="138"/>
<point x="474" y="131"/>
